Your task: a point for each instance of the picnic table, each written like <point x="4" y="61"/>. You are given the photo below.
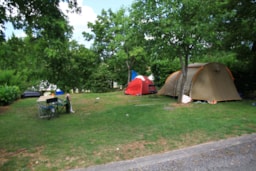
<point x="44" y="98"/>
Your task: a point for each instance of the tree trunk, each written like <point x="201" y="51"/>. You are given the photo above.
<point x="254" y="46"/>
<point x="129" y="72"/>
<point x="184" y="66"/>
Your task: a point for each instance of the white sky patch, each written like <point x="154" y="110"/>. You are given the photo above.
<point x="9" y="30"/>
<point x="90" y="10"/>
<point x="78" y="21"/>
<point x="148" y="37"/>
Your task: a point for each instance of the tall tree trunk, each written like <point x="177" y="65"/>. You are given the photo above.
<point x="129" y="72"/>
<point x="254" y="46"/>
<point x="184" y="66"/>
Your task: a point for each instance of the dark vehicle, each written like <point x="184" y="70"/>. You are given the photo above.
<point x="28" y="93"/>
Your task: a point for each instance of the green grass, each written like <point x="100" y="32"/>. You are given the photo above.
<point x="115" y="127"/>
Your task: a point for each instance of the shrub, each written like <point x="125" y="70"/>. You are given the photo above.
<point x="13" y="78"/>
<point x="8" y="94"/>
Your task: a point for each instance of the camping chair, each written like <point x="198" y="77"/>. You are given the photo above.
<point x="61" y="106"/>
<point x="48" y="109"/>
<point x="45" y="110"/>
<point x="52" y="103"/>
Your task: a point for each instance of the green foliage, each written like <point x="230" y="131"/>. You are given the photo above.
<point x="46" y="20"/>
<point x="101" y="80"/>
<point x="8" y="94"/>
<point x="161" y="69"/>
<point x="10" y="85"/>
<point x="119" y="44"/>
<point x="227" y="58"/>
<point x="165" y="35"/>
<point x="177" y="29"/>
<point x="13" y="78"/>
<point x="23" y="58"/>
<point x="189" y="30"/>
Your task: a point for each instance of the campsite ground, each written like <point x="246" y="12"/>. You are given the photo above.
<point x="112" y="127"/>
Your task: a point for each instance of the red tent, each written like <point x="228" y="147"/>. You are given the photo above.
<point x="140" y="85"/>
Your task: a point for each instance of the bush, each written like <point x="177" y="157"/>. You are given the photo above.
<point x="8" y="94"/>
<point x="13" y="78"/>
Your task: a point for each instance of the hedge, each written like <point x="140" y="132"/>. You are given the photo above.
<point x="8" y="94"/>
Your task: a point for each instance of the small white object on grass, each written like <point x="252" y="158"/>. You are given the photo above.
<point x="97" y="99"/>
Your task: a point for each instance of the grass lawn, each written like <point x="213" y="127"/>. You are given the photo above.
<point x="115" y="127"/>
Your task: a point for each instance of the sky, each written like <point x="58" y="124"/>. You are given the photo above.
<point x="90" y="10"/>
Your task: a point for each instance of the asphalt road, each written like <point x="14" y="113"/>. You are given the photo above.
<point x="234" y="154"/>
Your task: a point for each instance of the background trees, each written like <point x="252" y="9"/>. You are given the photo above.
<point x="43" y="53"/>
<point x="158" y="36"/>
<point x="202" y="31"/>
<point x="36" y="17"/>
<point x="117" y="42"/>
<point x="238" y="28"/>
<point x="177" y="28"/>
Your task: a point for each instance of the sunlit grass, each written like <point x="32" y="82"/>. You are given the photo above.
<point x="112" y="126"/>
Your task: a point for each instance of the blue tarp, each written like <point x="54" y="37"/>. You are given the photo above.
<point x="134" y="74"/>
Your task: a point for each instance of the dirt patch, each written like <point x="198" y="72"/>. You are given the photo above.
<point x="35" y="156"/>
<point x="191" y="138"/>
<point x="168" y="108"/>
<point x="139" y="148"/>
<point x="138" y="145"/>
<point x="3" y="109"/>
<point x="181" y="105"/>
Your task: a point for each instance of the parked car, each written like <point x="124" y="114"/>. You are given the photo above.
<point x="29" y="93"/>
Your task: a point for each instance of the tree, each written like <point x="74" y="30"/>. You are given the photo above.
<point x="176" y="28"/>
<point x="100" y="79"/>
<point x="116" y="40"/>
<point x="237" y="23"/>
<point x="43" y="54"/>
<point x="36" y="17"/>
<point x="237" y="29"/>
<point x="82" y="64"/>
<point x="17" y="55"/>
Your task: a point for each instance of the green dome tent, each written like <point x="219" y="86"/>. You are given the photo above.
<point x="210" y="82"/>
